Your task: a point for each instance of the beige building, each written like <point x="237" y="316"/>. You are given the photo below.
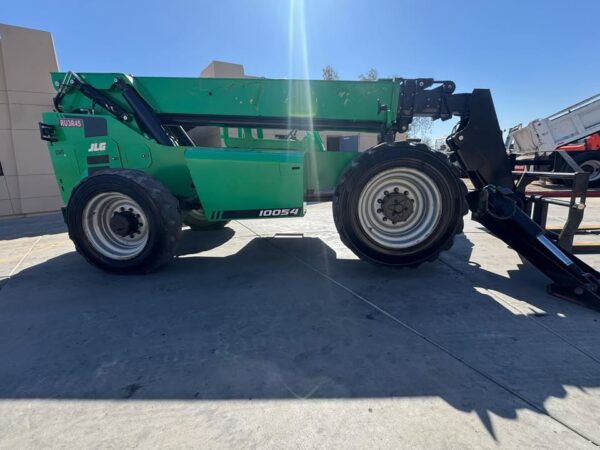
<point x="27" y="183"/>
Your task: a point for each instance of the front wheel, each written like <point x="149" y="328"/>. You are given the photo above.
<point x="399" y="205"/>
<point x="124" y="221"/>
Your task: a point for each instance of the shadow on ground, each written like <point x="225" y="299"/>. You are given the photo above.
<point x="268" y="322"/>
<point x="31" y="226"/>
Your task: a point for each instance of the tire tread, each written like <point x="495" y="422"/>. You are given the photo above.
<point x="367" y="159"/>
<point x="167" y="207"/>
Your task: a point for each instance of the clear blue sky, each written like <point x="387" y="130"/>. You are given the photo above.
<point x="536" y="56"/>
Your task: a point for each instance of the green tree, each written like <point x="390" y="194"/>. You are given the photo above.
<point x="371" y="75"/>
<point x="421" y="128"/>
<point x="329" y="73"/>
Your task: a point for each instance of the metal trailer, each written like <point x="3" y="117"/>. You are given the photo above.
<point x="541" y="138"/>
<point x="130" y="174"/>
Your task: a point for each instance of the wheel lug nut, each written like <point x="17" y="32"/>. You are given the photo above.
<point x="386" y="193"/>
<point x="380" y="210"/>
<point x="385" y="219"/>
<point x="379" y="200"/>
<point x="405" y="192"/>
<point x="396" y="190"/>
<point x="121" y="209"/>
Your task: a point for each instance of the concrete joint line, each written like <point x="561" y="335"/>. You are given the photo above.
<point x="440" y="347"/>
<point x="510" y="306"/>
<point x="12" y="272"/>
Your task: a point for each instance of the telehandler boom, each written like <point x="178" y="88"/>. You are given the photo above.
<point x="130" y="173"/>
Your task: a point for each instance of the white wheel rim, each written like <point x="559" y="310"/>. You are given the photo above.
<point x="96" y="226"/>
<point x="426" y="202"/>
<point x="593" y="167"/>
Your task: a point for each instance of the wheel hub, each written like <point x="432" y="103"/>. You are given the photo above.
<point x="124" y="223"/>
<point x="115" y="225"/>
<point x="400" y="207"/>
<point x="593" y="168"/>
<point x="396" y="206"/>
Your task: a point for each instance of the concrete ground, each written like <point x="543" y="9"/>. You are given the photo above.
<point x="272" y="334"/>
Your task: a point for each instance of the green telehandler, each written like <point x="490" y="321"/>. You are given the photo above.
<point x="131" y="174"/>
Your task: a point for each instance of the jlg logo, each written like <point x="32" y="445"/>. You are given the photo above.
<point x="97" y="147"/>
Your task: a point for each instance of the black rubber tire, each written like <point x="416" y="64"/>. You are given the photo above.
<point x="159" y="205"/>
<point x="196" y="221"/>
<point x="378" y="159"/>
<point x="580" y="159"/>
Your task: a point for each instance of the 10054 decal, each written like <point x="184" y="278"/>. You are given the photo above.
<point x="279" y="212"/>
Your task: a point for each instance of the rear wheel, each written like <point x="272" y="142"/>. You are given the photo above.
<point x="589" y="162"/>
<point x="399" y="205"/>
<point x="124" y="221"/>
<point x="196" y="220"/>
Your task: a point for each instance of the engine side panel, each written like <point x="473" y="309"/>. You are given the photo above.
<point x="246" y="183"/>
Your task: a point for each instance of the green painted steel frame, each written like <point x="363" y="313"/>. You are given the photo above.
<point x="265" y="166"/>
<point x="351" y="104"/>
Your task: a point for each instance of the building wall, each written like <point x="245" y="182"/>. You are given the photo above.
<point x="220" y="69"/>
<point x="27" y="183"/>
